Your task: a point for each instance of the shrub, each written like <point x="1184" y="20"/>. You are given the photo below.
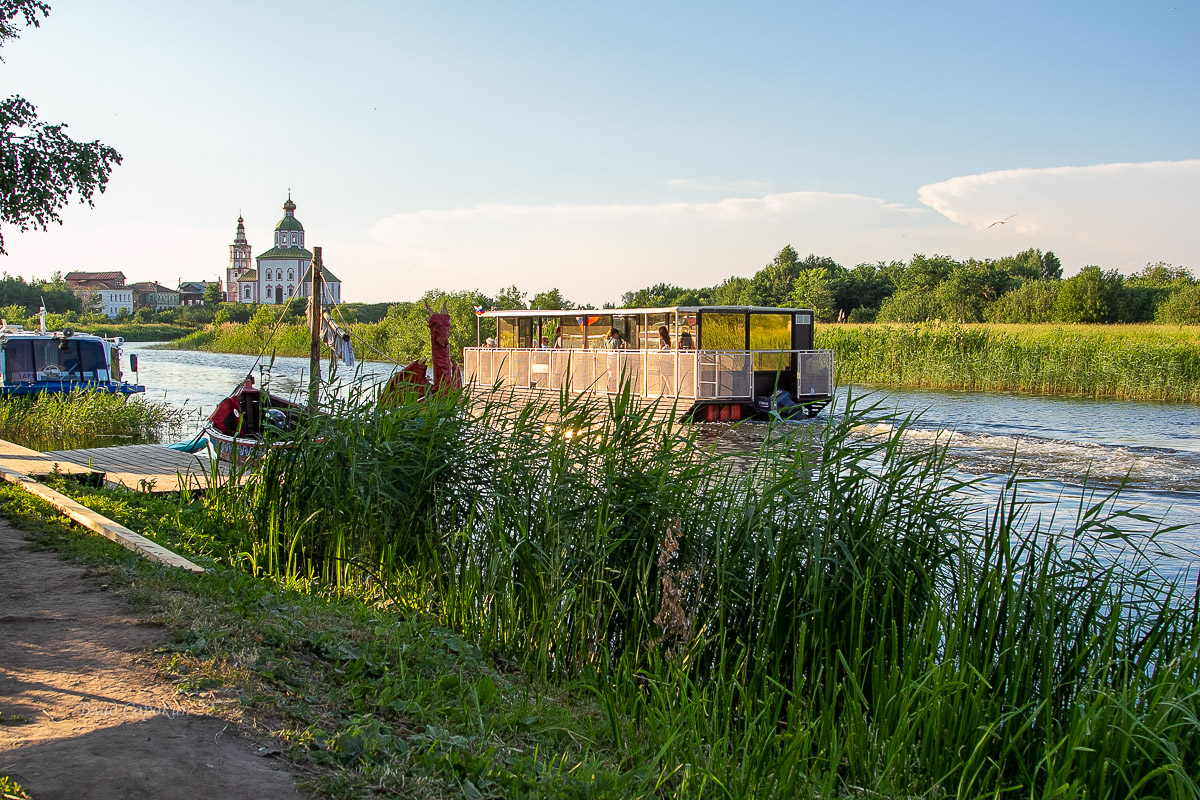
<point x="1181" y="308"/>
<point x="1032" y="302"/>
<point x="1090" y="296"/>
<point x="910" y="305"/>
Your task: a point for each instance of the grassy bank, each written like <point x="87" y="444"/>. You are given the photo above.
<point x="82" y="419"/>
<point x="1157" y="362"/>
<point x="363" y="700"/>
<point x="372" y="341"/>
<point x="597" y="607"/>
<point x="809" y="626"/>
<point x="136" y="332"/>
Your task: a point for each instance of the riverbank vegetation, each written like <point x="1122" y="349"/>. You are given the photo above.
<point x="82" y="419"/>
<point x="1145" y="362"/>
<point x="836" y="617"/>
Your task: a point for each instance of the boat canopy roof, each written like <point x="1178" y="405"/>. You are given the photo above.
<point x="629" y="312"/>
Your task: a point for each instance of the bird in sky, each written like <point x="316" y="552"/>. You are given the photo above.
<point x="1001" y="221"/>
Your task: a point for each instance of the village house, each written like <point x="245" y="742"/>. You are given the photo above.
<point x="105" y="292"/>
<point x="154" y="296"/>
<point x="191" y="293"/>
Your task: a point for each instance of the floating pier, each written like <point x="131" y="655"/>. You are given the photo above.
<point x="141" y="467"/>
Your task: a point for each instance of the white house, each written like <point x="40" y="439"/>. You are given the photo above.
<point x="106" y="290"/>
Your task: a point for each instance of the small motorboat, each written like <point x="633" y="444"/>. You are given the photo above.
<point x="61" y="362"/>
<point x="250" y="421"/>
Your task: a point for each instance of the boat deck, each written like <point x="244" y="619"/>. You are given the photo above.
<point x="142" y="467"/>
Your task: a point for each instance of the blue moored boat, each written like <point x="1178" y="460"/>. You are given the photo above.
<point x="60" y="362"/>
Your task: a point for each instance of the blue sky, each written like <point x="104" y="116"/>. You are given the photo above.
<point x="601" y="147"/>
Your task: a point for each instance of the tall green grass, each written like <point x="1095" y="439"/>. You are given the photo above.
<point x="1143" y="362"/>
<point x="82" y="419"/>
<point x="840" y="618"/>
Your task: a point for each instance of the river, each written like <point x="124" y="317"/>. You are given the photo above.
<point x="1063" y="442"/>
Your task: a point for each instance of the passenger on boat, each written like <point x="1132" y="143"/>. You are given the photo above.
<point x="613" y="341"/>
<point x="545" y="343"/>
<point x="490" y="342"/>
<point x="685" y="340"/>
<point x="558" y="343"/>
<point x="664" y="338"/>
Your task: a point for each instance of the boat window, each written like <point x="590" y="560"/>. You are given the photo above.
<point x="18" y="357"/>
<point x="648" y="339"/>
<point x="628" y="326"/>
<point x="771" y="332"/>
<point x="91" y="359"/>
<point x="506" y="332"/>
<point x="723" y="331"/>
<point x="572" y="333"/>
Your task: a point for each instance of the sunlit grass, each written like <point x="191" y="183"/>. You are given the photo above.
<point x="839" y="618"/>
<point x="1159" y="362"/>
<point x="82" y="419"/>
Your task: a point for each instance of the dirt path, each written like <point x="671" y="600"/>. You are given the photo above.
<point x="97" y="722"/>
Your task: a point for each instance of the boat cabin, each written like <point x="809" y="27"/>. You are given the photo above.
<point x="60" y="362"/>
<point x="715" y="362"/>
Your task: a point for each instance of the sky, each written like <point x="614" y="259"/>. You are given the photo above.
<point x="601" y="147"/>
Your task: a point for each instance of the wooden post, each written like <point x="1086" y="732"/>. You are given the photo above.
<point x="314" y="329"/>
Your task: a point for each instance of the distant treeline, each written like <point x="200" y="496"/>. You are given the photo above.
<point x="1025" y="288"/>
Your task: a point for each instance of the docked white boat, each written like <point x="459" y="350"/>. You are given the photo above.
<point x="707" y="362"/>
<point x="61" y="362"/>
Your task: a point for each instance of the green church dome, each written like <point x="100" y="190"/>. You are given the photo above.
<point x="289" y="221"/>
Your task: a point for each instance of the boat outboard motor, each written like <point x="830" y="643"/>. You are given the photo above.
<point x="277" y="418"/>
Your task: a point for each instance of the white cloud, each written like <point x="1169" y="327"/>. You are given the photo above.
<point x="1115" y="215"/>
<point x="596" y="252"/>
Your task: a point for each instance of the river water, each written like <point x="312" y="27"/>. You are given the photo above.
<point x="1066" y="443"/>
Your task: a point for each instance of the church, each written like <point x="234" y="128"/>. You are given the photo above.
<point x="280" y="273"/>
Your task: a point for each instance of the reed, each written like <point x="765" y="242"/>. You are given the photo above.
<point x="1148" y="362"/>
<point x="82" y="419"/>
<point x="835" y="617"/>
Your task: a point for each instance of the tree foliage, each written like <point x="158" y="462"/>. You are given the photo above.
<point x="54" y="293"/>
<point x="40" y="166"/>
<point x="1090" y="296"/>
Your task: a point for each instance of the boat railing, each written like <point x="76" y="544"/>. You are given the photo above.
<point x="685" y="374"/>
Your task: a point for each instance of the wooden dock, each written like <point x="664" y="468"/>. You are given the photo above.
<point x="147" y="468"/>
<point x="144" y="467"/>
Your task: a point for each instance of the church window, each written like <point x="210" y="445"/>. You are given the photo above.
<point x="291" y="275"/>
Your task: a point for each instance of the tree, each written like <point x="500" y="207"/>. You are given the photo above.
<point x="772" y="285"/>
<point x="1090" y="296"/>
<point x="1030" y="303"/>
<point x="866" y="287"/>
<point x="734" y="291"/>
<point x="661" y="295"/>
<point x="1162" y="276"/>
<point x="1051" y="267"/>
<point x="910" y="305"/>
<point x="212" y="295"/>
<point x="509" y="297"/>
<point x="552" y="299"/>
<point x="1181" y="308"/>
<point x="40" y="166"/>
<point x="811" y="290"/>
<point x="925" y="273"/>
